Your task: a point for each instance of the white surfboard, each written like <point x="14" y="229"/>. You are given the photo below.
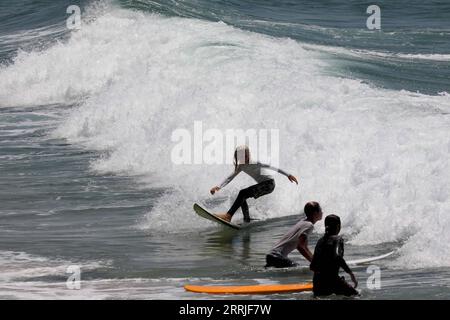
<point x="354" y="262"/>
<point x="371" y="259"/>
<point x="207" y="215"/>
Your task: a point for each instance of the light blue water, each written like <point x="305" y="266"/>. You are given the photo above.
<point x="86" y="118"/>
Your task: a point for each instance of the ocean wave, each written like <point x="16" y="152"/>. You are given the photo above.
<point x="25" y="276"/>
<point x="370" y="54"/>
<point x="22" y="266"/>
<point x="377" y="157"/>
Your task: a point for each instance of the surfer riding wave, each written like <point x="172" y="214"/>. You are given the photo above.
<point x="265" y="182"/>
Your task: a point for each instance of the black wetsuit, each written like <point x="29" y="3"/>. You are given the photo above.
<point x="327" y="260"/>
<point x="265" y="185"/>
<point x="254" y="191"/>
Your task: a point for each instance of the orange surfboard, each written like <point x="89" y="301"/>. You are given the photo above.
<point x="253" y="289"/>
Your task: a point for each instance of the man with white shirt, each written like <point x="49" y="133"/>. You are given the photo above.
<point x="295" y="238"/>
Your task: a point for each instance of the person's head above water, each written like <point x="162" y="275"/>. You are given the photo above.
<point x="332" y="225"/>
<point x="313" y="211"/>
<point x="241" y="155"/>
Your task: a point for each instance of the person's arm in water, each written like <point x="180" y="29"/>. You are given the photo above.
<point x="315" y="259"/>
<point x="225" y="182"/>
<point x="302" y="247"/>
<point x="289" y="176"/>
<point x="347" y="269"/>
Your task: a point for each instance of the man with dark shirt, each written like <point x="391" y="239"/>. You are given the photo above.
<point x="328" y="259"/>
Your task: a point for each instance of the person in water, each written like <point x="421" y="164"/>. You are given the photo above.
<point x="265" y="183"/>
<point x="295" y="238"/>
<point x="328" y="259"/>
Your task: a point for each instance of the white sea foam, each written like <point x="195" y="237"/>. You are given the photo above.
<point x="376" y="157"/>
<point x="20" y="275"/>
<point x="371" y="54"/>
<point x="16" y="266"/>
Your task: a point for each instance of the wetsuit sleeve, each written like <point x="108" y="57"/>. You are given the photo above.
<point x="263" y="165"/>
<point x="314" y="263"/>
<point x="340" y="256"/>
<point x="344" y="265"/>
<point x="229" y="178"/>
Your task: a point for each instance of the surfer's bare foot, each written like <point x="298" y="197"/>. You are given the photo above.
<point x="224" y="216"/>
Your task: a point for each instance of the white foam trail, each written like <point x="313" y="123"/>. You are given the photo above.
<point x="351" y="52"/>
<point x="19" y="272"/>
<point x="370" y="54"/>
<point x="20" y="266"/>
<point x="28" y="35"/>
<point x="378" y="158"/>
<point x="431" y="56"/>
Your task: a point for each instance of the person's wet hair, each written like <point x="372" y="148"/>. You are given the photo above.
<point x="332" y="225"/>
<point x="311" y="208"/>
<point x="241" y="153"/>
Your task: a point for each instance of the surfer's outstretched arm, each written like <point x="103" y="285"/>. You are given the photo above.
<point x="288" y="175"/>
<point x="225" y="182"/>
